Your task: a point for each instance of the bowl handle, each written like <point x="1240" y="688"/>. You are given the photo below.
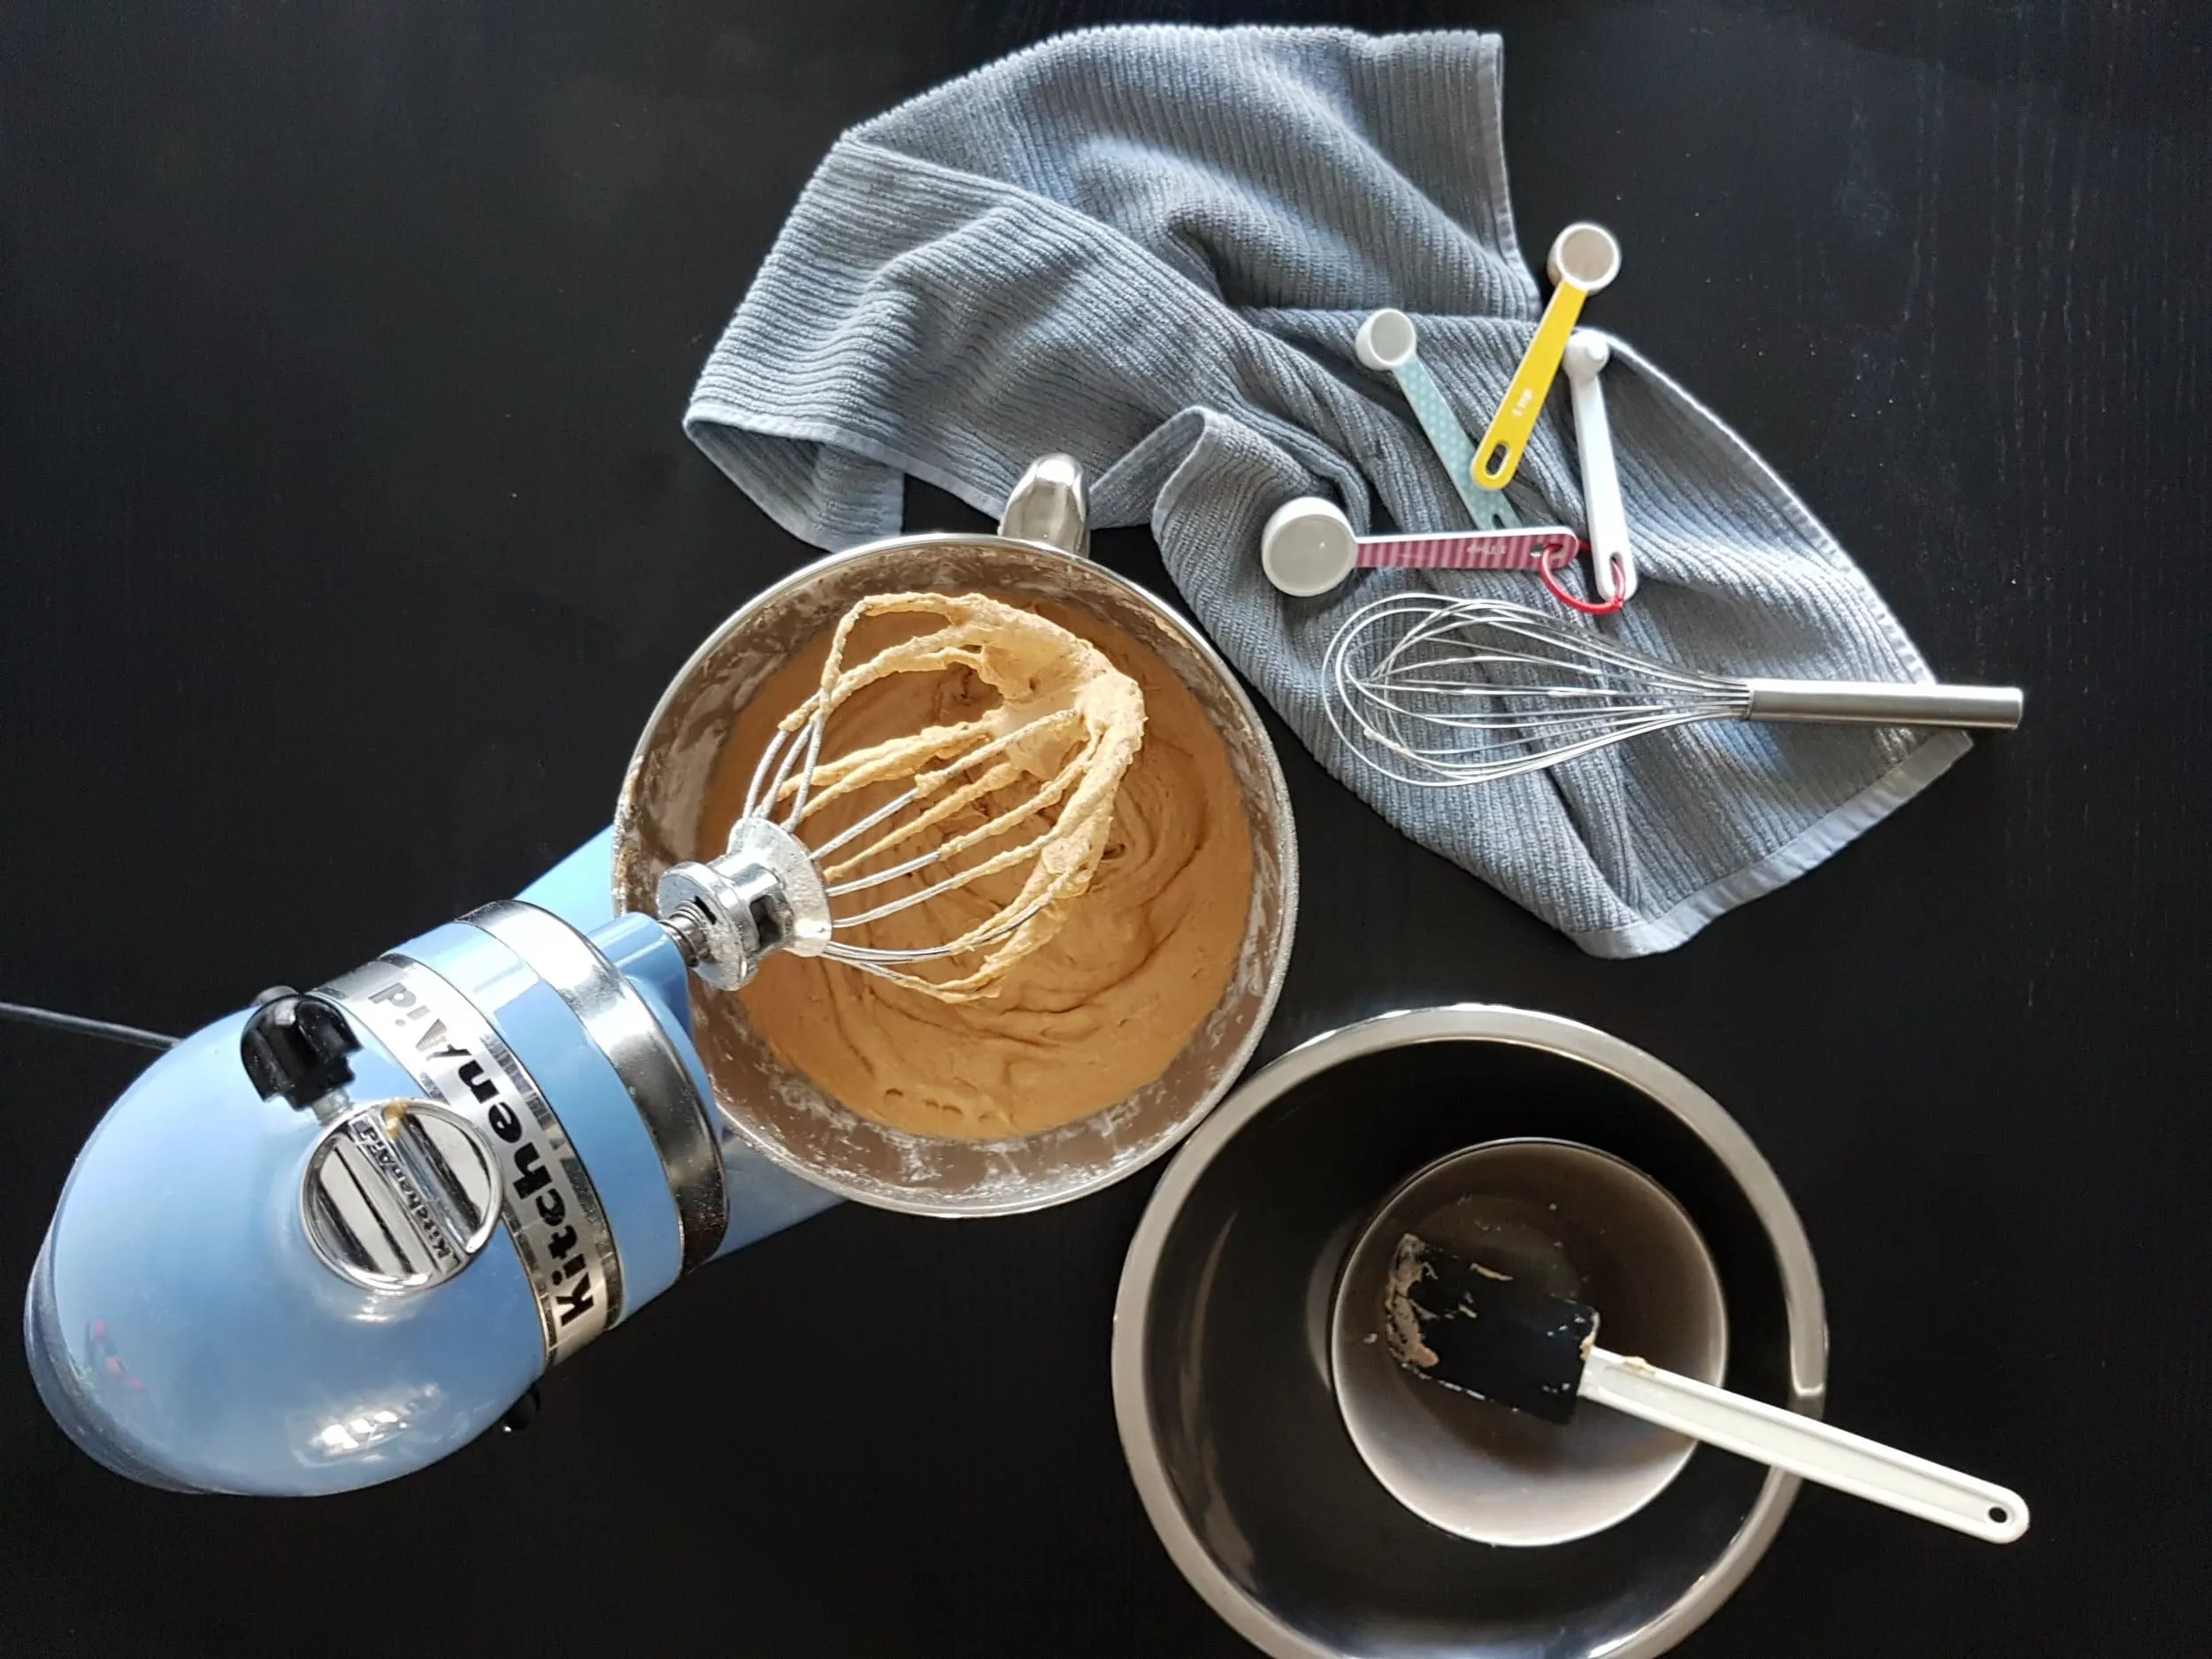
<point x="1048" y="507"/>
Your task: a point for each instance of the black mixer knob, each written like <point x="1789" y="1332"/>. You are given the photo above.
<point x="296" y="1046"/>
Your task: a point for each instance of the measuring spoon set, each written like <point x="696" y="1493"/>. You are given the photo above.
<point x="1309" y="546"/>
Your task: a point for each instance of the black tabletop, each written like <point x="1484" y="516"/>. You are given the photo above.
<point x="342" y="348"/>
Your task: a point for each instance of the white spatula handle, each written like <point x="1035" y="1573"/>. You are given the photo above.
<point x="1804" y="1446"/>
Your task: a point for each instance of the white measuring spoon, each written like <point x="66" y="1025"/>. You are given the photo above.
<point x="1611" y="559"/>
<point x="1583" y="259"/>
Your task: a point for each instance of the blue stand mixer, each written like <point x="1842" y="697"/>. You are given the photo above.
<point x="327" y="1239"/>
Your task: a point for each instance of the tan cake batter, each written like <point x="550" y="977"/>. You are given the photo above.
<point x="1104" y="1006"/>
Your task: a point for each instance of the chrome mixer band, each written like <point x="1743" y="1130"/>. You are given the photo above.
<point x="547" y="1200"/>
<point x="620" y="1025"/>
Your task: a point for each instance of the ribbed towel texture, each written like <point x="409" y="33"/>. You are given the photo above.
<point x="1151" y="247"/>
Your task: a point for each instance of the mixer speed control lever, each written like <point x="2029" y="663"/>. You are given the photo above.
<point x="297" y="1046"/>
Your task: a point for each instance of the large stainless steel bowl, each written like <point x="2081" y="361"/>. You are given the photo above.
<point x="1221" y="1357"/>
<point x="1040" y="551"/>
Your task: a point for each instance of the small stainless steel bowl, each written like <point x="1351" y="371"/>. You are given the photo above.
<point x="1572" y="1221"/>
<point x="1221" y="1365"/>
<point x="779" y="1109"/>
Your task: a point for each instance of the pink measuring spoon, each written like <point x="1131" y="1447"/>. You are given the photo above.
<point x="1309" y="547"/>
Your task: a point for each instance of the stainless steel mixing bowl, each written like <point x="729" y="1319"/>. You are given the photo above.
<point x="1041" y="550"/>
<point x="1221" y="1353"/>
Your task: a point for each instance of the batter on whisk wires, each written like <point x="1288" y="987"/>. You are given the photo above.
<point x="1027" y="783"/>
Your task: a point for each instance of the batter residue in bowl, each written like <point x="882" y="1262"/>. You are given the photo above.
<point x="1103" y="1008"/>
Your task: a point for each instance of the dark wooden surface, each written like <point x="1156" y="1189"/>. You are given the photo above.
<point x="341" y="352"/>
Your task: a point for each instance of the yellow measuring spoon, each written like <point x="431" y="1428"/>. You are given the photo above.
<point x="1583" y="260"/>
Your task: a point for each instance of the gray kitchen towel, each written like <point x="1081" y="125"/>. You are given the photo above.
<point x="1151" y="247"/>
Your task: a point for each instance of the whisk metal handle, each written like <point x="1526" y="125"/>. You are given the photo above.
<point x="1859" y="702"/>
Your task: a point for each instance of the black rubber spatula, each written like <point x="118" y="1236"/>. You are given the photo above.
<point x="1456" y="1323"/>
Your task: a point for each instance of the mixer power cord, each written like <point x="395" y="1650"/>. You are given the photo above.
<point x="106" y="1029"/>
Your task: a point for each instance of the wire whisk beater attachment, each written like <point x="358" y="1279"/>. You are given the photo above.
<point x="1020" y="792"/>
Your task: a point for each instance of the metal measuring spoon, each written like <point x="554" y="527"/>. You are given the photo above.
<point x="1583" y="259"/>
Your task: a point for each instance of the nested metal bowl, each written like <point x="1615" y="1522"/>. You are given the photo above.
<point x="779" y="1109"/>
<point x="1222" y="1374"/>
